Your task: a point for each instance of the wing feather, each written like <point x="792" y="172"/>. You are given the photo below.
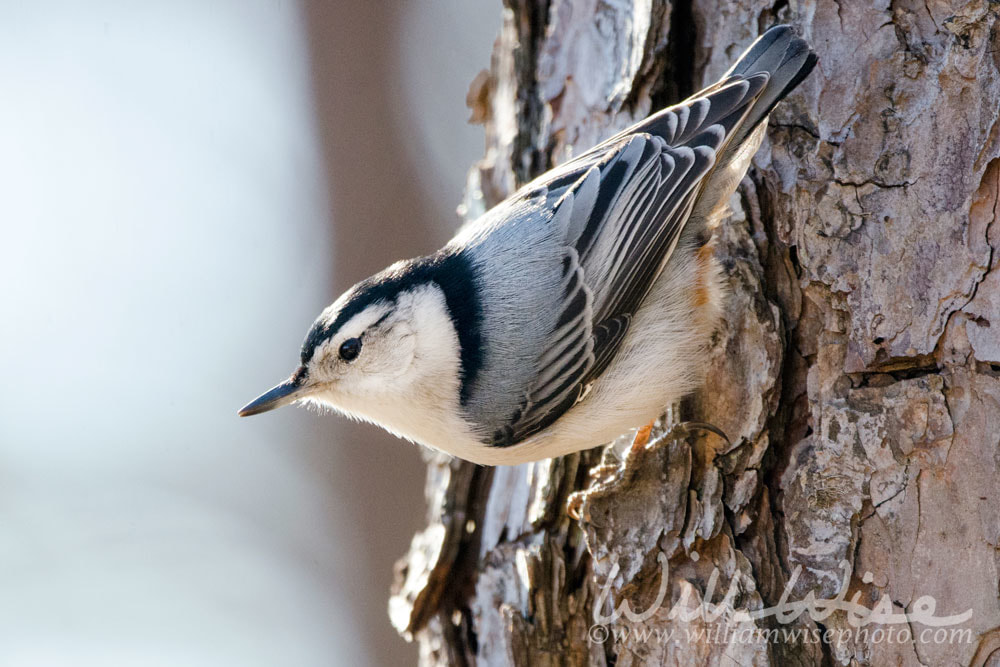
<point x="621" y="208"/>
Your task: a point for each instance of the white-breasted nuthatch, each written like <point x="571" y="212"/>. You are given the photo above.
<point x="568" y="314"/>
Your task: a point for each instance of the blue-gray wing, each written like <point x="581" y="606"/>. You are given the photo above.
<point x="621" y="208"/>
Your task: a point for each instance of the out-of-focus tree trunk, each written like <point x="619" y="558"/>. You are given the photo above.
<point x="857" y="373"/>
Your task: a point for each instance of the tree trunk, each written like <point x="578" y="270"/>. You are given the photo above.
<point x="856" y="374"/>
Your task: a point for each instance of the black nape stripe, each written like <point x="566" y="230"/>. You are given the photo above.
<point x="450" y="270"/>
<point x="456" y="276"/>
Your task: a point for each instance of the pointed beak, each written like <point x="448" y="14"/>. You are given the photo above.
<point x="287" y="392"/>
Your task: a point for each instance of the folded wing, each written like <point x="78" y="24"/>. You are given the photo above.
<point x="621" y="208"/>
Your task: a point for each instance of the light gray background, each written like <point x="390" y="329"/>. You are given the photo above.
<point x="184" y="186"/>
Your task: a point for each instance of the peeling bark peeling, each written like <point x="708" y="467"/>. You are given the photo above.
<point x="857" y="374"/>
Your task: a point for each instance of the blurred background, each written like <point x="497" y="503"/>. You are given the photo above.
<point x="186" y="184"/>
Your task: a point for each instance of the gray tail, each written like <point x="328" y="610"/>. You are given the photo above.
<point x="785" y="57"/>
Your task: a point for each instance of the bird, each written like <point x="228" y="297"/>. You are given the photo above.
<point x="568" y="314"/>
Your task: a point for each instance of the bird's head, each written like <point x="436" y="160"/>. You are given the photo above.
<point x="387" y="346"/>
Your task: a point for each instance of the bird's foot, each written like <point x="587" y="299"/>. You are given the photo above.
<point x="608" y="476"/>
<point x="601" y="476"/>
<point x="641" y="438"/>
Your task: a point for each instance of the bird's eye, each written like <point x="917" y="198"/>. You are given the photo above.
<point x="350" y="349"/>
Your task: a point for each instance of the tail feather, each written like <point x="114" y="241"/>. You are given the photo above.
<point x="783" y="60"/>
<point x="785" y="57"/>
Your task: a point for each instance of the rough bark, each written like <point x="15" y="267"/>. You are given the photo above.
<point x="857" y="373"/>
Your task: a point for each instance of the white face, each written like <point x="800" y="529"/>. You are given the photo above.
<point x="370" y="356"/>
<point x="395" y="363"/>
<point x="405" y="374"/>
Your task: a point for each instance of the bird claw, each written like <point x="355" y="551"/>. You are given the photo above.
<point x="601" y="476"/>
<point x="688" y="428"/>
<point x="609" y="475"/>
